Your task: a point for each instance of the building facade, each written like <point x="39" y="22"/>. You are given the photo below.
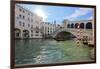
<point x="29" y="25"/>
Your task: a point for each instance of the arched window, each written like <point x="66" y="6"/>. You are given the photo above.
<point x="68" y="26"/>
<point x="76" y="25"/>
<point x="17" y="33"/>
<point x="25" y="33"/>
<point x="72" y="25"/>
<point x="89" y="25"/>
<point x="82" y="25"/>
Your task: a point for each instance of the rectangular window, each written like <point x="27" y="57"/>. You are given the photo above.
<point x="31" y="34"/>
<point x="28" y="19"/>
<point x="20" y="10"/>
<point x="37" y="31"/>
<point x="23" y="24"/>
<point x="28" y="25"/>
<point x="31" y="20"/>
<point x="37" y="35"/>
<point x="19" y="15"/>
<point x="23" y="11"/>
<point x="32" y="31"/>
<point x="23" y="17"/>
<point x="19" y="23"/>
<point x="31" y="26"/>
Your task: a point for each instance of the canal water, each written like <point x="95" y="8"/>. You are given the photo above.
<point x="45" y="51"/>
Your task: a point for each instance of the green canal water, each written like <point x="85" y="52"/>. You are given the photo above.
<point x="45" y="51"/>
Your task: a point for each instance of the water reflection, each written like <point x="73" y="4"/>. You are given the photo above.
<point x="39" y="51"/>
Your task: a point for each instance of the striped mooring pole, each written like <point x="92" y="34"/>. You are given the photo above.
<point x="78" y="35"/>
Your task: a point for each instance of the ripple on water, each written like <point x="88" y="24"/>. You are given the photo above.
<point x="49" y="51"/>
<point x="49" y="56"/>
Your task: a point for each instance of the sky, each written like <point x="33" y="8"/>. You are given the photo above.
<point x="59" y="13"/>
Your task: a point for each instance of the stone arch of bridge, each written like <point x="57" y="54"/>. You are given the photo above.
<point x="82" y="25"/>
<point x="89" y="25"/>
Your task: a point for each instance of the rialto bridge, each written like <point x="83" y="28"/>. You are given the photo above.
<point x="84" y="24"/>
<point x="86" y="28"/>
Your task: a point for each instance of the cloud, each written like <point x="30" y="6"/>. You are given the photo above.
<point x="89" y="18"/>
<point x="40" y="11"/>
<point x="79" y="12"/>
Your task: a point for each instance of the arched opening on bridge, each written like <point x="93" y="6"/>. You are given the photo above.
<point x="89" y="25"/>
<point x="25" y="33"/>
<point x="68" y="26"/>
<point x="64" y="35"/>
<point x="17" y="33"/>
<point x="72" y="25"/>
<point x="82" y="25"/>
<point x="76" y="25"/>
